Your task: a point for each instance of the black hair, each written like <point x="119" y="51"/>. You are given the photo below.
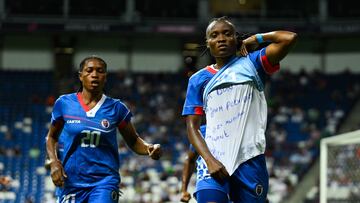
<point x="239" y="36"/>
<point x="221" y="19"/>
<point x="82" y="64"/>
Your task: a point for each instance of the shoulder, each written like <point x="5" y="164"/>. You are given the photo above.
<point x="202" y="75"/>
<point x="64" y="101"/>
<point x="253" y="55"/>
<point x="114" y="101"/>
<point x="66" y="97"/>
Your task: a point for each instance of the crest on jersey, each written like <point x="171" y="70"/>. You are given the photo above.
<point x="114" y="195"/>
<point x="105" y="123"/>
<point x="259" y="189"/>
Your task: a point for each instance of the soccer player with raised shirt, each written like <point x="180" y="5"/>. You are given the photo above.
<point x="81" y="142"/>
<point x="193" y="107"/>
<point x="235" y="107"/>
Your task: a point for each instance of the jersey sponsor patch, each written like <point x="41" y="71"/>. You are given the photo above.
<point x="105" y="123"/>
<point x="73" y="121"/>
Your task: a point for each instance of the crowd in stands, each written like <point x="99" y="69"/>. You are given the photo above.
<point x="343" y="172"/>
<point x="303" y="108"/>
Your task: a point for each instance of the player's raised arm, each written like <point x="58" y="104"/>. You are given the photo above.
<point x="138" y="145"/>
<point x="188" y="170"/>
<point x="281" y="43"/>
<point x="57" y="170"/>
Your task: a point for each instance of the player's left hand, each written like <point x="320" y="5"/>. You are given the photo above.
<point x="154" y="151"/>
<point x="185" y="197"/>
<point x="243" y="51"/>
<point x="250" y="44"/>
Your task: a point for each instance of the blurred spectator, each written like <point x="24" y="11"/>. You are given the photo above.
<point x="301" y="110"/>
<point x="5" y="183"/>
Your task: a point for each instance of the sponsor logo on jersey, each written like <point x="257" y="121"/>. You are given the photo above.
<point x="105" y="123"/>
<point x="73" y="121"/>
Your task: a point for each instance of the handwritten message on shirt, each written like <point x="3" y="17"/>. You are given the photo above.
<point x="230" y="120"/>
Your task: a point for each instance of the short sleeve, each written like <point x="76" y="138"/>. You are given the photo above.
<point x="124" y="114"/>
<point x="260" y="60"/>
<point x="57" y="113"/>
<point x="193" y="102"/>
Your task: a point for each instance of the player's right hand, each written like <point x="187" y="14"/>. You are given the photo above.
<point x="57" y="173"/>
<point x="217" y="170"/>
<point x="185" y="196"/>
<point x="154" y="151"/>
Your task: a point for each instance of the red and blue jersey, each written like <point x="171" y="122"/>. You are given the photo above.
<point x="194" y="102"/>
<point x="197" y="82"/>
<point x="87" y="145"/>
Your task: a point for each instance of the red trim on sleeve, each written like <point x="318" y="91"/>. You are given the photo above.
<point x="82" y="103"/>
<point x="198" y="110"/>
<point x="268" y="68"/>
<point x="122" y="124"/>
<point x="211" y="70"/>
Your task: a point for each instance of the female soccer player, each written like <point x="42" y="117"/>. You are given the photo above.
<point x="83" y="127"/>
<point x="233" y="99"/>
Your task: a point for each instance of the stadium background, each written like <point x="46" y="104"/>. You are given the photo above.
<point x="151" y="47"/>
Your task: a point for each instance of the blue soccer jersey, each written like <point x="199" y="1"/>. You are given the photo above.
<point x="197" y="82"/>
<point x="87" y="145"/>
<point x="240" y="75"/>
<point x="235" y="107"/>
<point x="194" y="102"/>
<point x="253" y="68"/>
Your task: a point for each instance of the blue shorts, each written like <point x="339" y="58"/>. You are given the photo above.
<point x="250" y="181"/>
<point x="209" y="190"/>
<point x="211" y="195"/>
<point x="102" y="193"/>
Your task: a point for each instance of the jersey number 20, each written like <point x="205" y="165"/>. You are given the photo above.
<point x="90" y="139"/>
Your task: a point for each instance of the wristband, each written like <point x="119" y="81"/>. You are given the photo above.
<point x="259" y="38"/>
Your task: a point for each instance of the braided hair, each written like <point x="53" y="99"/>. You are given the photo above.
<point x="84" y="61"/>
<point x="239" y="37"/>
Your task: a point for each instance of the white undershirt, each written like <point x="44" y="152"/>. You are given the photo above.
<point x="236" y="122"/>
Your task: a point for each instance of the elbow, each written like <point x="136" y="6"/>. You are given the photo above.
<point x="291" y="38"/>
<point x="50" y="138"/>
